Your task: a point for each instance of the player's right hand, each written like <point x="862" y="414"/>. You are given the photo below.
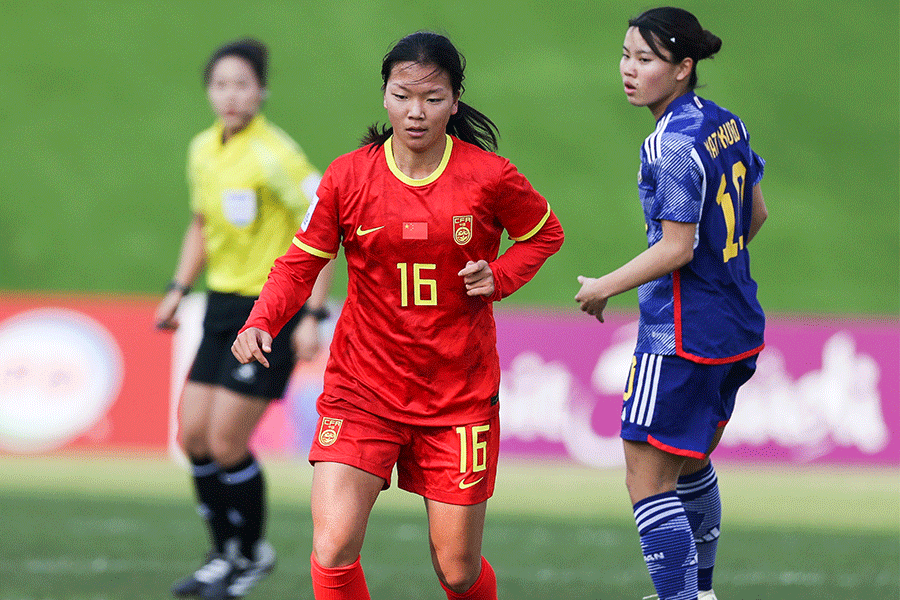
<point x="590" y="297"/>
<point x="252" y="344"/>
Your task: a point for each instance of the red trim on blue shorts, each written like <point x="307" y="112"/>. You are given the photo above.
<point x="673" y="450"/>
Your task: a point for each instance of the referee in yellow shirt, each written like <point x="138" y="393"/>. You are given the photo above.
<point x="250" y="187"/>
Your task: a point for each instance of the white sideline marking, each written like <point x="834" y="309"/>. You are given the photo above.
<point x="70" y="566"/>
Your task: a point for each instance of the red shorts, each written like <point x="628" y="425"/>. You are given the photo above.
<point x="454" y="464"/>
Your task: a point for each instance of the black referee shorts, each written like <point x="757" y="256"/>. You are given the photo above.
<point x="216" y="365"/>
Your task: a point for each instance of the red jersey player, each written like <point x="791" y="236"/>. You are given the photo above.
<point x="413" y="375"/>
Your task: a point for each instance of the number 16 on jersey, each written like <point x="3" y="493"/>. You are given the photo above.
<point x="424" y="289"/>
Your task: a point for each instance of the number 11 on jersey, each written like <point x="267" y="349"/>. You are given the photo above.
<point x="724" y="199"/>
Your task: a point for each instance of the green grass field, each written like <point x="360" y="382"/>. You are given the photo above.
<point x="102" y="96"/>
<point x="111" y="528"/>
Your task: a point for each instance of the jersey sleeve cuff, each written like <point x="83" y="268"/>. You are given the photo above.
<point x="522" y="238"/>
<point x="314" y="251"/>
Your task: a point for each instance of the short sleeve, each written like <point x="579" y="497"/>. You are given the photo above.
<point x="293" y="179"/>
<point x="756" y="169"/>
<point x="519" y="207"/>
<point x="679" y="181"/>
<point x="756" y="165"/>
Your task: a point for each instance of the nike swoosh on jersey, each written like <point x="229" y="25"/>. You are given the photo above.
<point x="361" y="231"/>
<point x="465" y="485"/>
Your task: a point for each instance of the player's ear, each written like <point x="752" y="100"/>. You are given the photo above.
<point x="684" y="69"/>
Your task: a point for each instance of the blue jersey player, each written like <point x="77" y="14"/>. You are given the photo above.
<point x="701" y="325"/>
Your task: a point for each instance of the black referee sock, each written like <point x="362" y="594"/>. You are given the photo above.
<point x="211" y="502"/>
<point x="245" y="493"/>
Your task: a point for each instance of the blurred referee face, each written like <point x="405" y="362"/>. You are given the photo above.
<point x="649" y="79"/>
<point x="419" y="100"/>
<point x="234" y="93"/>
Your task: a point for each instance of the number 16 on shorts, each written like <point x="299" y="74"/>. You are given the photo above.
<point x="478" y="451"/>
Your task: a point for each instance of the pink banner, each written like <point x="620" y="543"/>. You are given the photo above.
<point x="825" y="390"/>
<point x="93" y="373"/>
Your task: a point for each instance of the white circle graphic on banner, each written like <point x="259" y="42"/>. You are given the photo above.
<point x="60" y="371"/>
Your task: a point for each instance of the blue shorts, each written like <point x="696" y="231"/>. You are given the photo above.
<point x="677" y="405"/>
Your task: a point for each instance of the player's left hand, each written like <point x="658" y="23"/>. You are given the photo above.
<point x="478" y="277"/>
<point x="590" y="297"/>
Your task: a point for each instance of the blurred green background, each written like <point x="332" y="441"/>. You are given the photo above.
<point x="100" y="99"/>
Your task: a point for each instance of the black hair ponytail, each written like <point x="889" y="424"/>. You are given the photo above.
<point x="428" y="48"/>
<point x="710" y="45"/>
<point x="474" y="127"/>
<point x="680" y="33"/>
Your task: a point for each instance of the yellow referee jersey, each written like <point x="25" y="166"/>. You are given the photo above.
<point x="253" y="192"/>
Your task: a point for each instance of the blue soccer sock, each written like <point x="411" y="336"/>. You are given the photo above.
<point x="699" y="493"/>
<point x="668" y="546"/>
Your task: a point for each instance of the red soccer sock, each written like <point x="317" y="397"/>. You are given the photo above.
<point x="339" y="583"/>
<point x="484" y="588"/>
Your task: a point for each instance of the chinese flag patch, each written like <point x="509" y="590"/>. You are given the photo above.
<point x="415" y="231"/>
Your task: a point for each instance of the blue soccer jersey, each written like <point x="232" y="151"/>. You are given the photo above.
<point x="697" y="167"/>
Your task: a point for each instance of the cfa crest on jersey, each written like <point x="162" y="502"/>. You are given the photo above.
<point x="328" y="433"/>
<point x="462" y="229"/>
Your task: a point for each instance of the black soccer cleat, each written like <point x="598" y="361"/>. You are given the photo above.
<point x="194" y="585"/>
<point x="243" y="575"/>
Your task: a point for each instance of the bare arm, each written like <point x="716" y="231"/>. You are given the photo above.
<point x="319" y="294"/>
<point x="673" y="251"/>
<point x="759" y="213"/>
<point x="190" y="263"/>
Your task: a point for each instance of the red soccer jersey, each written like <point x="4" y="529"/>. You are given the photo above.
<point x="410" y="345"/>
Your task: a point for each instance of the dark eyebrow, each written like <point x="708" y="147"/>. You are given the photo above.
<point x="638" y="51"/>
<point x="433" y="90"/>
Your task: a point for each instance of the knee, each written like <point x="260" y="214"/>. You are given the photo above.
<point x="692" y="465"/>
<point x="643" y="485"/>
<point x="225" y="450"/>
<point x="334" y="550"/>
<point x="331" y="555"/>
<point x="194" y="442"/>
<point x="458" y="572"/>
<point x="461" y="584"/>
